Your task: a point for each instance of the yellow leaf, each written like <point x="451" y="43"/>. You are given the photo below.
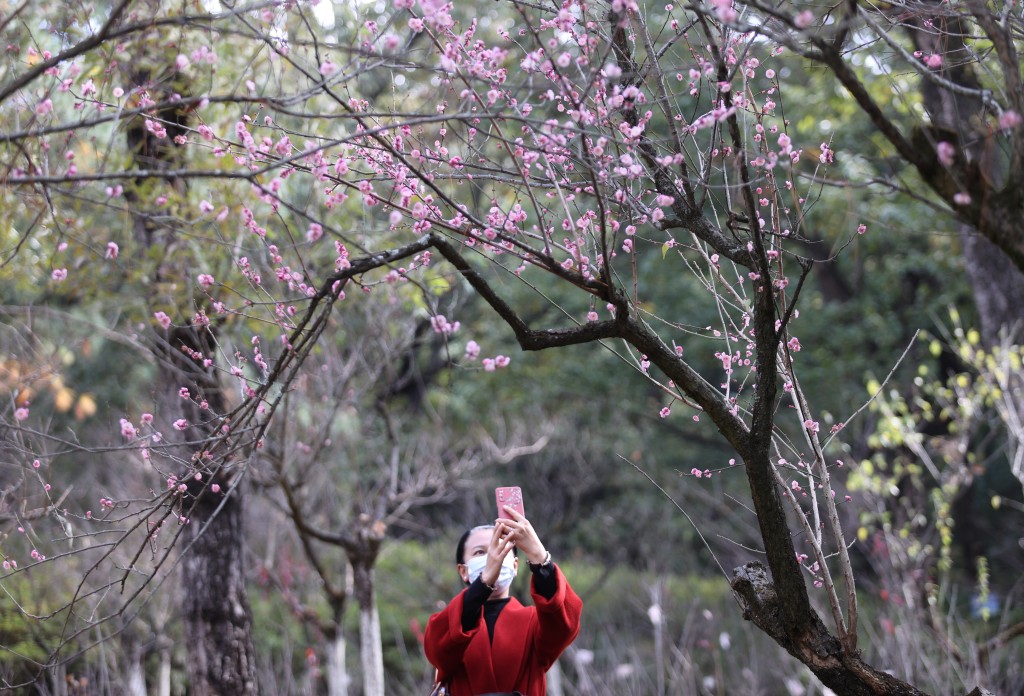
<point x="439" y="285"/>
<point x="85" y="407"/>
<point x="63" y="399"/>
<point x="664" y="249"/>
<point x="973" y="337"/>
<point x="935" y="348"/>
<point x="862" y="534"/>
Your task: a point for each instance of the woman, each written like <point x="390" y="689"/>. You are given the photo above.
<point x="485" y="642"/>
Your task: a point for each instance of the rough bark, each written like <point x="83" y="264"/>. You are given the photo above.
<point x="215" y="606"/>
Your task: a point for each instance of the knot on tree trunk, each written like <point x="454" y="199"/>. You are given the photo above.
<point x="755" y="589"/>
<point x="759" y="599"/>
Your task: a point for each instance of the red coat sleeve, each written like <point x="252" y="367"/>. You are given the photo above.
<point x="558" y="619"/>
<point x="444" y="641"/>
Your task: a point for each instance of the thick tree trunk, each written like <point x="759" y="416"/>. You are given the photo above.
<point x="216" y="611"/>
<point x="217" y="618"/>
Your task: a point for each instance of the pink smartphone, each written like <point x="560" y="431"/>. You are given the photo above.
<point x="511" y="496"/>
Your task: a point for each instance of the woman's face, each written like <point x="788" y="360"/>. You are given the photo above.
<point x="476" y="545"/>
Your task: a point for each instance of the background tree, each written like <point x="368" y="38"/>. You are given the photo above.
<point x="613" y="159"/>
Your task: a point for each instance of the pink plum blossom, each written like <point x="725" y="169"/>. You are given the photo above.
<point x="1009" y="120"/>
<point x="127" y="429"/>
<point x="945" y="152"/>
<point x="804" y="19"/>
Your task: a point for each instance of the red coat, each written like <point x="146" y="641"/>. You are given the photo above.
<point x="527" y="641"/>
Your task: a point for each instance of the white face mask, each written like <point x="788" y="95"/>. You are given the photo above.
<point x="475" y="567"/>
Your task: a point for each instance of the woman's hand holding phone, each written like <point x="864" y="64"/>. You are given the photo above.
<point x="515" y="527"/>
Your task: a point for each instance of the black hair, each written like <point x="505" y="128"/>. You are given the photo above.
<point x="460" y="549"/>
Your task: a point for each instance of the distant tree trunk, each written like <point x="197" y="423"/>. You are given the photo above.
<point x="554" y="679"/>
<point x="371" y="651"/>
<point x="996" y="281"/>
<point x="164" y="686"/>
<point x="136" y="678"/>
<point x="337" y="674"/>
<point x="997" y="286"/>
<point x="362" y="550"/>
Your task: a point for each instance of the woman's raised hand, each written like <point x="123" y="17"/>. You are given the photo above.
<point x="500" y="545"/>
<point x="518" y="529"/>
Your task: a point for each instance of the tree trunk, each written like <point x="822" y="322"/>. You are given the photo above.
<point x="337" y="674"/>
<point x="217" y="618"/>
<point x="370" y="648"/>
<point x="165" y="672"/>
<point x="997" y="282"/>
<point x="136" y="678"/>
<point x="813" y="645"/>
<point x="997" y="286"/>
<point x="554" y="680"/>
